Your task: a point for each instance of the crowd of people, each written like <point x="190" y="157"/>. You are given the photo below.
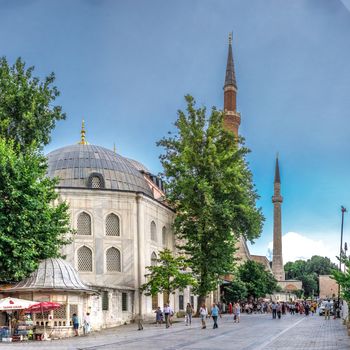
<point x="275" y="308"/>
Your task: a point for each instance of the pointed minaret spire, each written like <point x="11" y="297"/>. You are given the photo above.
<point x="277" y="199"/>
<point x="277" y="171"/>
<point x="232" y="118"/>
<point x="230" y="78"/>
<point x="82" y="134"/>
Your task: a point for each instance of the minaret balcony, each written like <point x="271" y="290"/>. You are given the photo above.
<point x="277" y="199"/>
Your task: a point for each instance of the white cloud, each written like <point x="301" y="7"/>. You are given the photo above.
<point x="297" y="246"/>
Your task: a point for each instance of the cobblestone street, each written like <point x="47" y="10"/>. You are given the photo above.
<point x="255" y="332"/>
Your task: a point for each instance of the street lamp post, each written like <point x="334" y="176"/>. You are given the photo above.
<point x="345" y="250"/>
<point x="343" y="211"/>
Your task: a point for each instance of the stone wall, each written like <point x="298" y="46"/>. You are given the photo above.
<point x="328" y="287"/>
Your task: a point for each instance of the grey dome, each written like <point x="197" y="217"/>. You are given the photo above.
<point x="52" y="274"/>
<point x="74" y="165"/>
<point x="139" y="166"/>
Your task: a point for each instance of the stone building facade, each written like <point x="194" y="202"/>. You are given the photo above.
<point x="328" y="287"/>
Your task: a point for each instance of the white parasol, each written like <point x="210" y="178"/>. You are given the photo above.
<point x="9" y="304"/>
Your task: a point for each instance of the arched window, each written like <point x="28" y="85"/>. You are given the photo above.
<point x="113" y="260"/>
<point x="84" y="224"/>
<point x="153" y="231"/>
<point x="96" y="181"/>
<point x="164" y="236"/>
<point x="153" y="259"/>
<point x="84" y="259"/>
<point x="112" y="225"/>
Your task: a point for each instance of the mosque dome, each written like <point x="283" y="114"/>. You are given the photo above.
<point x="139" y="166"/>
<point x="90" y="166"/>
<point x="52" y="274"/>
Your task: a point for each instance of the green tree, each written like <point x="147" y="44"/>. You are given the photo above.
<point x="310" y="284"/>
<point x="32" y="227"/>
<point x="235" y="291"/>
<point x="295" y="269"/>
<point x="257" y="280"/>
<point x="166" y="274"/>
<point x="210" y="186"/>
<point x="320" y="265"/>
<point x="308" y="272"/>
<point x="27" y="110"/>
<point x="343" y="279"/>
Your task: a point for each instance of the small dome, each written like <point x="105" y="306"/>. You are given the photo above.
<point x="52" y="274"/>
<point x="75" y="165"/>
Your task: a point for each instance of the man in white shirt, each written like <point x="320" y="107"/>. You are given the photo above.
<point x="167" y="314"/>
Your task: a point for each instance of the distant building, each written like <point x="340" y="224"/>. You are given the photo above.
<point x="328" y="287"/>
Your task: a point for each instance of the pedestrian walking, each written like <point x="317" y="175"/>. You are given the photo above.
<point x="138" y="320"/>
<point x="214" y="315"/>
<point x="159" y="316"/>
<point x="230" y="308"/>
<point x="167" y="311"/>
<point x="274" y="309"/>
<point x="237" y="313"/>
<point x="203" y="312"/>
<point x="189" y="311"/>
<point x="75" y="321"/>
<point x="87" y="324"/>
<point x="279" y="310"/>
<point x="327" y="309"/>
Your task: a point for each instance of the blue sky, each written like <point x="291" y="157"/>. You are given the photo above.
<point x="125" y="66"/>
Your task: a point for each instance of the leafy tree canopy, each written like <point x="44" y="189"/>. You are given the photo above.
<point x="308" y="272"/>
<point x="166" y="274"/>
<point x="257" y="279"/>
<point x="235" y="291"/>
<point x="210" y="186"/>
<point x="343" y="279"/>
<point x="27" y="112"/>
<point x="31" y="226"/>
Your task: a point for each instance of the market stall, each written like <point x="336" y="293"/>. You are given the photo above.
<point x="12" y="306"/>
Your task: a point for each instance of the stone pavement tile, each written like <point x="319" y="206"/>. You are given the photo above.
<point x="255" y="332"/>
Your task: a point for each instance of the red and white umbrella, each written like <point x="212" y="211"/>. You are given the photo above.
<point x="43" y="306"/>
<point x="9" y="304"/>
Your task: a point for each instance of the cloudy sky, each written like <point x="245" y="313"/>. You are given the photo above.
<point x="125" y="66"/>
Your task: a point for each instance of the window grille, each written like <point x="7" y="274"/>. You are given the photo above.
<point x="113" y="259"/>
<point x="153" y="231"/>
<point x="84" y="259"/>
<point x="154" y="301"/>
<point x="95" y="182"/>
<point x="112" y="225"/>
<point x="192" y="300"/>
<point x="61" y="312"/>
<point x="105" y="301"/>
<point x="124" y="302"/>
<point x="153" y="259"/>
<point x="164" y="236"/>
<point x="73" y="309"/>
<point x="181" y="302"/>
<point x="42" y="316"/>
<point x="84" y="224"/>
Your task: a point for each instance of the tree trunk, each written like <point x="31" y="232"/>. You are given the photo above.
<point x="201" y="301"/>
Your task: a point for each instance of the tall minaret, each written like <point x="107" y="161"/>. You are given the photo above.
<point x="277" y="260"/>
<point x="232" y="118"/>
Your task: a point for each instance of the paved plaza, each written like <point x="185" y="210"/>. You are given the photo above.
<point x="255" y="332"/>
